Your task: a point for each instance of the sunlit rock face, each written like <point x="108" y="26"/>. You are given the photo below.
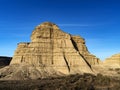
<point x="79" y="44"/>
<point x="51" y="52"/>
<point x="113" y="61"/>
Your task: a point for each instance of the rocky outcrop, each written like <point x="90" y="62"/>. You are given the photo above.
<point x="110" y="66"/>
<point x="113" y="61"/>
<point x="79" y="44"/>
<point x="51" y="52"/>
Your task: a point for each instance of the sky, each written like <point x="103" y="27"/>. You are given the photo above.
<point x="97" y="21"/>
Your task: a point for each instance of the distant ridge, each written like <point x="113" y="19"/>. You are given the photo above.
<point x="113" y="61"/>
<point x="4" y="61"/>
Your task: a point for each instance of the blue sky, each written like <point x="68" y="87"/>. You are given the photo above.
<point x="98" y="21"/>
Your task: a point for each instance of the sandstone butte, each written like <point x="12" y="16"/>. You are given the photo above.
<point x="113" y="61"/>
<point x="50" y="53"/>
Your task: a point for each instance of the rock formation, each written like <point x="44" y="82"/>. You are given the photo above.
<point x="80" y="46"/>
<point x="113" y="61"/>
<point x="109" y="67"/>
<point x="51" y="52"/>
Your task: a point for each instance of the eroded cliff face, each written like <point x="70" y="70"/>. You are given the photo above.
<point x="51" y="52"/>
<point x="113" y="61"/>
<point x="79" y="44"/>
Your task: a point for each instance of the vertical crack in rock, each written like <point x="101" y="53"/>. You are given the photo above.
<point x="51" y="44"/>
<point x="66" y="62"/>
<point x="86" y="61"/>
<point x="74" y="44"/>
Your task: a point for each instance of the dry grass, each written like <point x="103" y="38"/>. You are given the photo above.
<point x="71" y="82"/>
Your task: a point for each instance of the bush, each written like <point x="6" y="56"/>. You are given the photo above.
<point x="71" y="82"/>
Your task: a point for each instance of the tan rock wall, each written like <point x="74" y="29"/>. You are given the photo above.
<point x="51" y="52"/>
<point x="113" y="61"/>
<point x="80" y="44"/>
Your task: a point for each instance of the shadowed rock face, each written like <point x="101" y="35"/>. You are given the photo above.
<point x="51" y="52"/>
<point x="4" y="61"/>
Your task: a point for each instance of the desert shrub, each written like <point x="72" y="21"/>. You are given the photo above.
<point x="102" y="80"/>
<point x="117" y="69"/>
<point x="111" y="69"/>
<point x="74" y="78"/>
<point x="118" y="72"/>
<point x="71" y="82"/>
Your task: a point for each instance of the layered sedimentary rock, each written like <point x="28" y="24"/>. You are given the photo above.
<point x="113" y="61"/>
<point x="51" y="52"/>
<point x="79" y="44"/>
